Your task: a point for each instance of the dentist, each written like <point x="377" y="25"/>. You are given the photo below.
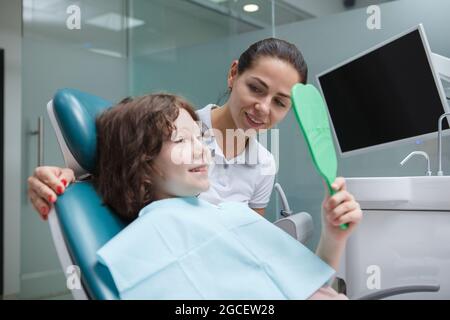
<point x="259" y="86"/>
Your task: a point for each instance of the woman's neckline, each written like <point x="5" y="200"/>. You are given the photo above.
<point x="226" y="113"/>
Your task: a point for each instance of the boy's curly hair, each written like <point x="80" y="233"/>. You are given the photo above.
<point x="129" y="138"/>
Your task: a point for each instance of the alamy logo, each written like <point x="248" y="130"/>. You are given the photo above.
<point x="374" y="20"/>
<point x="374" y="278"/>
<point x="192" y="151"/>
<point x="73" y="21"/>
<point x="73" y="274"/>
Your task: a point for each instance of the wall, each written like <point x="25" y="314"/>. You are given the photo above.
<point x="10" y="40"/>
<point x="55" y="57"/>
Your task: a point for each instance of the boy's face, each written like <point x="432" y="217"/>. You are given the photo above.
<point x="183" y="161"/>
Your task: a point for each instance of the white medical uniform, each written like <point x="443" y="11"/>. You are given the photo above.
<point x="247" y="178"/>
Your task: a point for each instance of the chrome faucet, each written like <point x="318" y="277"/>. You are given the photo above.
<point x="440" y="173"/>
<point x="422" y="153"/>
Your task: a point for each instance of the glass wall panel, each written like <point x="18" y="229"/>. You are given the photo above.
<point x="92" y="59"/>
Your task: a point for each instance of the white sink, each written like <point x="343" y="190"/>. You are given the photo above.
<point x="401" y="193"/>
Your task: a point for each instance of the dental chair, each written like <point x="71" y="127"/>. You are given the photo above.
<point x="80" y="224"/>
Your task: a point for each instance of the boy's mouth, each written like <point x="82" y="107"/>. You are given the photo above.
<point x="202" y="168"/>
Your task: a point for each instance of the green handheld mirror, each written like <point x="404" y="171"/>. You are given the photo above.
<point x="311" y="115"/>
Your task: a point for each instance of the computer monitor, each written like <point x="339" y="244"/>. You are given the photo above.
<point x="386" y="95"/>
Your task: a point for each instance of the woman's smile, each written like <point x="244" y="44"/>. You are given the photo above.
<point x="253" y="121"/>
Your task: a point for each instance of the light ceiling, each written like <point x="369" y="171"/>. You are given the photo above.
<point x="166" y="23"/>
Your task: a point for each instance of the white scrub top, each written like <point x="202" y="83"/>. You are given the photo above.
<point x="247" y="178"/>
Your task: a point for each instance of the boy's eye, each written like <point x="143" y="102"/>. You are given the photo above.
<point x="179" y="140"/>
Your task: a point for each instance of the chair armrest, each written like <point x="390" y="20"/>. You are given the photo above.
<point x="299" y="226"/>
<point x="384" y="293"/>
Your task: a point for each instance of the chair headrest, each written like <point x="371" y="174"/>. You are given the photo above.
<point x="75" y="112"/>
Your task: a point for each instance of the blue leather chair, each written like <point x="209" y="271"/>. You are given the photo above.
<point x="72" y="114"/>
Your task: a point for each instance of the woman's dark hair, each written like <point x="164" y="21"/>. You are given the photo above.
<point x="275" y="48"/>
<point x="130" y="136"/>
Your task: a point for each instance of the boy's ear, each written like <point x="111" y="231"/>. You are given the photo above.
<point x="232" y="73"/>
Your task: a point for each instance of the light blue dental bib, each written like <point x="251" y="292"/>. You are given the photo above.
<point x="187" y="248"/>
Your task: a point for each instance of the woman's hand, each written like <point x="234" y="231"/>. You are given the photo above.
<point x="341" y="208"/>
<point x="45" y="185"/>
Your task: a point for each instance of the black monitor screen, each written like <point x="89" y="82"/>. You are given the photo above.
<point x="386" y="95"/>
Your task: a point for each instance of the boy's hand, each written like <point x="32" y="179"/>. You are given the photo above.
<point x="339" y="209"/>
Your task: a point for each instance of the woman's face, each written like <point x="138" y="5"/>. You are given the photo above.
<point x="183" y="161"/>
<point x="261" y="96"/>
